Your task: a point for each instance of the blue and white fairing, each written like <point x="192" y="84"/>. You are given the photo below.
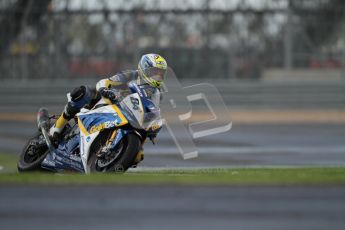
<point x="63" y="158"/>
<point x="90" y="123"/>
<point x="136" y="109"/>
<point x="149" y="98"/>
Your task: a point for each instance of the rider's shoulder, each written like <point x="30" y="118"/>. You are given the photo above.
<point x="124" y="76"/>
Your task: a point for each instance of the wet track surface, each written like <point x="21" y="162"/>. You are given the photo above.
<point x="243" y="145"/>
<point x="172" y="207"/>
<point x="192" y="207"/>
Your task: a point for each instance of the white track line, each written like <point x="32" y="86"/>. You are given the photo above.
<point x="251" y="150"/>
<point x="220" y="167"/>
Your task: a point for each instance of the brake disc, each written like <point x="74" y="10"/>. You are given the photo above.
<point x="105" y="158"/>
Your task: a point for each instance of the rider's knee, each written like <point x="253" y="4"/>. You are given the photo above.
<point x="79" y="97"/>
<point x="78" y="93"/>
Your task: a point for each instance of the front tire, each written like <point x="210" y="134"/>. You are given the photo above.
<point x="128" y="149"/>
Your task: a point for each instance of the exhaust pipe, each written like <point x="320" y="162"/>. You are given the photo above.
<point x="43" y="119"/>
<point x="43" y="125"/>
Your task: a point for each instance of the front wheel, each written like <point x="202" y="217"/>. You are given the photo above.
<point x="33" y="154"/>
<point x="120" y="158"/>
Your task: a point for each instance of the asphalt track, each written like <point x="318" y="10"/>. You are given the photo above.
<point x="171" y="207"/>
<point x="192" y="207"/>
<point x="248" y="145"/>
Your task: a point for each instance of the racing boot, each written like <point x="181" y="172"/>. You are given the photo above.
<point x="56" y="130"/>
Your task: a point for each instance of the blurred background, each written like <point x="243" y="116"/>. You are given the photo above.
<point x="229" y="40"/>
<point x="278" y="64"/>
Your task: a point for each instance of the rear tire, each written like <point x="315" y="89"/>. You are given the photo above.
<point x="131" y="145"/>
<point x="33" y="154"/>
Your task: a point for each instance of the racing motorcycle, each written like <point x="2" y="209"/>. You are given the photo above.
<point x="107" y="138"/>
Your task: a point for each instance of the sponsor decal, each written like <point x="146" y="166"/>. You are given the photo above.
<point x="135" y="102"/>
<point x="105" y="125"/>
<point x="74" y="157"/>
<point x="138" y="90"/>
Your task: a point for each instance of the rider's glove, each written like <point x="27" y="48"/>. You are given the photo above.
<point x="109" y="94"/>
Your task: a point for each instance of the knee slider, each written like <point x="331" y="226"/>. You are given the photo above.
<point x="78" y="93"/>
<point x="80" y="97"/>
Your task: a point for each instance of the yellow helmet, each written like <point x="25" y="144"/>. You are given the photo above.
<point x="152" y="69"/>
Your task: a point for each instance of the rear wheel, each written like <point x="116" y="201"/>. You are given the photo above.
<point x="33" y="154"/>
<point x="119" y="159"/>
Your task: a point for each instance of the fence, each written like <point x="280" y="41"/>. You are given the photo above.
<point x="32" y="95"/>
<point x="211" y="38"/>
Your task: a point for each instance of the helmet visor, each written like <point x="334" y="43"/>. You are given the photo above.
<point x="155" y="74"/>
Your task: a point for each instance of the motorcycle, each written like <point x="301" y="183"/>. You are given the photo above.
<point x="107" y="138"/>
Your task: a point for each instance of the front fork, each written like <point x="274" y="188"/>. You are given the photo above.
<point x="108" y="145"/>
<point x="112" y="142"/>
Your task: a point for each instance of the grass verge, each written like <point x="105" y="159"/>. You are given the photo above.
<point x="215" y="176"/>
<point x="8" y="162"/>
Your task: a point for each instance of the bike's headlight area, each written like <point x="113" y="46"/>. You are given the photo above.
<point x="150" y="116"/>
<point x="151" y="111"/>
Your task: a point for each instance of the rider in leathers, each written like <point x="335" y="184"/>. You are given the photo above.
<point x="151" y="71"/>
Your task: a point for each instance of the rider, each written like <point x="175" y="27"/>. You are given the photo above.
<point x="151" y="71"/>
